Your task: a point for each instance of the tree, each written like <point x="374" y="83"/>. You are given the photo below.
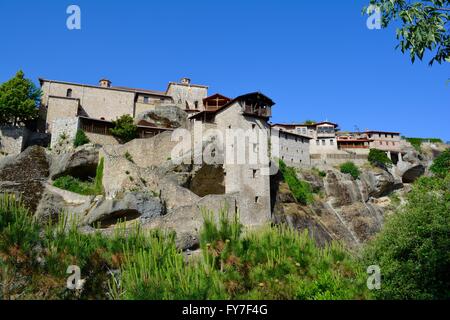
<point x="441" y="165"/>
<point x="19" y="99"/>
<point x="124" y="128"/>
<point x="310" y="122"/>
<point x="424" y="26"/>
<point x="412" y="249"/>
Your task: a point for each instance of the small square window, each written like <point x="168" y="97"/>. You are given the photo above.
<point x="145" y="99"/>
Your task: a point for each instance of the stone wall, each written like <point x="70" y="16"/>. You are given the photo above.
<point x="60" y="108"/>
<point x="63" y="134"/>
<point x="333" y="159"/>
<point x="182" y="94"/>
<point x="95" y="102"/>
<point x="293" y="149"/>
<point x="248" y="180"/>
<point x="13" y="140"/>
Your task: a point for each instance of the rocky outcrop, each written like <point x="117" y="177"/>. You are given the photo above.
<point x="131" y="206"/>
<point x="56" y="202"/>
<point x="82" y="163"/>
<point x="25" y="175"/>
<point x="164" y="116"/>
<point x="145" y="153"/>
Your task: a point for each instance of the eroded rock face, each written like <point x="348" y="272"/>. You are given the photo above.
<point x="82" y="163"/>
<point x="56" y="202"/>
<point x="165" y="116"/>
<point x="133" y="205"/>
<point x="25" y="174"/>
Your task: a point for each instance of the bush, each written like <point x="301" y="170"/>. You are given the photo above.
<point x="301" y="190"/>
<point x="412" y="249"/>
<point x="379" y="158"/>
<point x="124" y="128"/>
<point x="80" y="139"/>
<point x="441" y="165"/>
<point x="350" y="168"/>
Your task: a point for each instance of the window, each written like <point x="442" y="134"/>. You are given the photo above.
<point x="256" y="199"/>
<point x="324" y="142"/>
<point x="254" y="173"/>
<point x="331" y="142"/>
<point x="69" y="93"/>
<point x="253" y="126"/>
<point x="145" y="99"/>
<point x="196" y="104"/>
<point x="318" y="142"/>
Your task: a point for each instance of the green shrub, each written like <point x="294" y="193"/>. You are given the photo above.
<point x="80" y="139"/>
<point x="320" y="173"/>
<point x="441" y="165"/>
<point x="412" y="249"/>
<point x="350" y="168"/>
<point x="124" y="128"/>
<point x="301" y="190"/>
<point x="379" y="158"/>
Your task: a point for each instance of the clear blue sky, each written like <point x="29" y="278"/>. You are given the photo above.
<point x="315" y="59"/>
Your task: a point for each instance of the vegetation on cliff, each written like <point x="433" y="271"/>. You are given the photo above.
<point x="92" y="187"/>
<point x="301" y="190"/>
<point x="412" y="249"/>
<point x="351" y="169"/>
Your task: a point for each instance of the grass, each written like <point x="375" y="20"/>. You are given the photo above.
<point x="270" y="263"/>
<point x="301" y="190"/>
<point x="76" y="185"/>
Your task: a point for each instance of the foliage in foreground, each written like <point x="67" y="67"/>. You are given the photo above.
<point x="413" y="248"/>
<point x="423" y="26"/>
<point x="350" y="168"/>
<point x="301" y="190"/>
<point x="86" y="188"/>
<point x="273" y="263"/>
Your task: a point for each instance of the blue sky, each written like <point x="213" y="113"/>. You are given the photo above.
<point x="315" y="59"/>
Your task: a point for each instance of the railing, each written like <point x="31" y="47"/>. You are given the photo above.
<point x="260" y="112"/>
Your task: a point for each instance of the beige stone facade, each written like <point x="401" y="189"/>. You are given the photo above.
<point x="105" y="102"/>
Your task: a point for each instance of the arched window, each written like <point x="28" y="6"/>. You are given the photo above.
<point x="69" y="93"/>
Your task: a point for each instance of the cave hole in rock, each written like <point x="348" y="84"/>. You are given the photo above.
<point x="84" y="172"/>
<point x="116" y="217"/>
<point x="210" y="179"/>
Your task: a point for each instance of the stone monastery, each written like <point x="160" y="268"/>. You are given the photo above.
<point x="68" y="107"/>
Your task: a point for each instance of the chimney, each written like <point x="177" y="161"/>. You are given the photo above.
<point x="104" y="83"/>
<point x="186" y="81"/>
